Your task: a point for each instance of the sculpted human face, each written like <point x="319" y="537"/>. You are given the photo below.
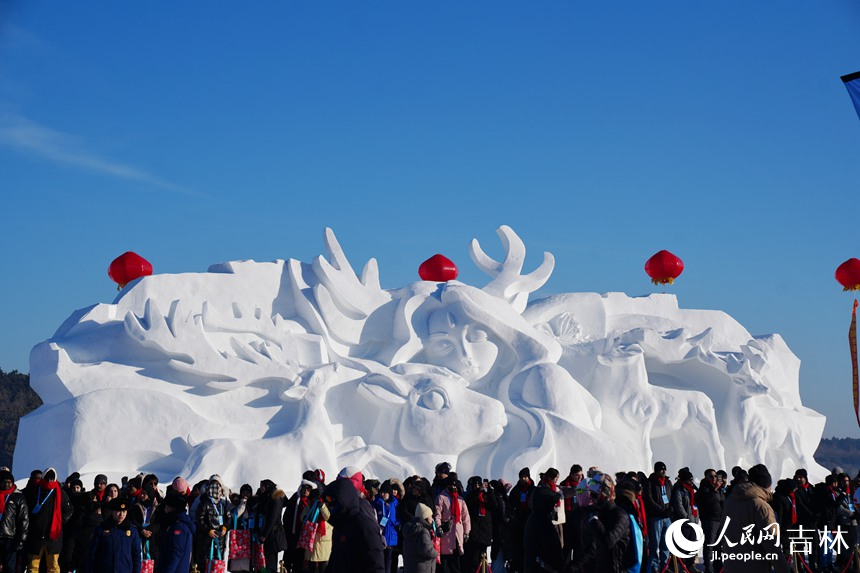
<point x="459" y="344"/>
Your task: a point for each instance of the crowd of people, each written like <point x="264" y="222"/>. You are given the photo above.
<point x="585" y="522"/>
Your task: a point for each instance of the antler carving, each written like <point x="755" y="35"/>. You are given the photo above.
<point x="507" y="281"/>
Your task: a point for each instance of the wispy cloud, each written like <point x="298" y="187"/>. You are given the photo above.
<point x="25" y="135"/>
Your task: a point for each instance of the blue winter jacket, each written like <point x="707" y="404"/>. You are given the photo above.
<point x="174" y="547"/>
<point x="115" y="548"/>
<point x="389" y="511"/>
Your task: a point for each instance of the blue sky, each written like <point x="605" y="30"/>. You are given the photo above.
<point x="199" y="132"/>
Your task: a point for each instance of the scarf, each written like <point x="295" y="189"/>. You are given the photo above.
<point x="101" y="494"/>
<point x="57" y="517"/>
<point x="4" y="495"/>
<point x="482" y="508"/>
<point x="793" y="499"/>
<point x="805" y="486"/>
<point x="301" y="504"/>
<point x="455" y="506"/>
<point x="568" y="501"/>
<point x="692" y="493"/>
<point x="640" y="511"/>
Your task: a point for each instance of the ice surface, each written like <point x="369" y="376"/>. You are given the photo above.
<point x="256" y="370"/>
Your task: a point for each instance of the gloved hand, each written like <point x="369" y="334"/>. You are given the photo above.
<point x="446" y="526"/>
<point x="465" y="539"/>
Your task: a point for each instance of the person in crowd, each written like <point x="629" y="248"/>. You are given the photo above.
<point x="273" y="500"/>
<point x="419" y="553"/>
<point x="440" y="476"/>
<point x="683" y="505"/>
<point x="452" y="518"/>
<point x="481" y="504"/>
<point x="417" y="491"/>
<point x="14" y="521"/>
<point x="115" y="547"/>
<point x="176" y="543"/>
<point x="807" y="511"/>
<point x="357" y="546"/>
<point x="572" y="481"/>
<point x="712" y="505"/>
<point x="628" y="498"/>
<point x="292" y="523"/>
<point x="542" y="548"/>
<point x="50" y="510"/>
<point x="385" y="505"/>
<point x="211" y="520"/>
<point x="499" y="490"/>
<point x="99" y="486"/>
<point x="749" y="504"/>
<point x="658" y="510"/>
<point x="316" y="561"/>
<point x="605" y="530"/>
<point x="518" y="507"/>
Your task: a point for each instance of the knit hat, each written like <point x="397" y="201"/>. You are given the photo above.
<point x="6" y="474"/>
<point x="180" y="486"/>
<point x="760" y="476"/>
<point x="443" y="468"/>
<point x="320" y="476"/>
<point x="525" y="472"/>
<point x="659" y="466"/>
<point x="354" y="475"/>
<point x="685" y="474"/>
<point x="101" y="478"/>
<point x="423" y="511"/>
<point x="801" y="473"/>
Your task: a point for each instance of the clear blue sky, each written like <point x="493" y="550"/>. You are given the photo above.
<point x="199" y="132"/>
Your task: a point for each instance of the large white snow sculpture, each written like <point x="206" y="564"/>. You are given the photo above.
<point x="256" y="370"/>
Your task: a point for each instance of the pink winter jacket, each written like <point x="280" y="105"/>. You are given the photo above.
<point x="452" y="541"/>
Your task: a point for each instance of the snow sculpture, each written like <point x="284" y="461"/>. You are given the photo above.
<point x="256" y="370"/>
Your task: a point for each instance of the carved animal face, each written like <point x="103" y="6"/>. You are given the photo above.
<point x="437" y="411"/>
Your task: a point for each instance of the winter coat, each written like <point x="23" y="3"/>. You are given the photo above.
<point x="39" y="532"/>
<point x="482" y="525"/>
<point x="807" y="512"/>
<point x="605" y="534"/>
<point x="115" y="548"/>
<point x="682" y="505"/>
<point x="453" y="540"/>
<point x="711" y="502"/>
<point x="357" y="546"/>
<point x="541" y="539"/>
<point x="408" y="503"/>
<point x="748" y="504"/>
<point x="322" y="543"/>
<point x="656" y="507"/>
<point x="175" y="543"/>
<point x="272" y="531"/>
<point x="292" y="518"/>
<point x="419" y="555"/>
<point x="16" y="518"/>
<point x="387" y="511"/>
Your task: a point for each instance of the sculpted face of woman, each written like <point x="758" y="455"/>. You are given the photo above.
<point x="460" y="344"/>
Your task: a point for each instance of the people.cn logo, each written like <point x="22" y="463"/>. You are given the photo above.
<point x="678" y="545"/>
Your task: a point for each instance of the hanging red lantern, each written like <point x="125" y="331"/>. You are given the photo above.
<point x="848" y="274"/>
<point x="438" y="268"/>
<point x="127" y="267"/>
<point x="664" y="268"/>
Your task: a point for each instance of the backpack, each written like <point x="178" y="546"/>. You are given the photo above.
<point x="632" y="560"/>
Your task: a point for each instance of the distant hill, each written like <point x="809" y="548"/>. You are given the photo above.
<point x="842" y="452"/>
<point x="16" y="399"/>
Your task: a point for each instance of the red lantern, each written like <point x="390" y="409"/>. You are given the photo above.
<point x="848" y="274"/>
<point x="127" y="267"/>
<point x="664" y="268"/>
<point x="438" y="268"/>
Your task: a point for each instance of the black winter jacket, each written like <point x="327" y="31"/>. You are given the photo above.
<point x="271" y="508"/>
<point x="710" y="501"/>
<point x="482" y="526"/>
<point x="16" y="518"/>
<point x="541" y="541"/>
<point x="357" y="546"/>
<point x="652" y="495"/>
<point x="605" y="535"/>
<point x="39" y="532"/>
